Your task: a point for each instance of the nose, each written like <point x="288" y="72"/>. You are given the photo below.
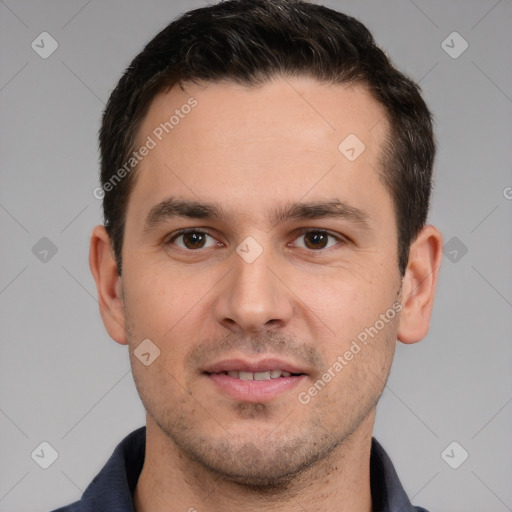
<point x="254" y="296"/>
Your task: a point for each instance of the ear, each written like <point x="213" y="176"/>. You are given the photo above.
<point x="108" y="283"/>
<point x="419" y="285"/>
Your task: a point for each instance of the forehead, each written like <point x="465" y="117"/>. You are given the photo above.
<point x="292" y="136"/>
<point x="322" y="113"/>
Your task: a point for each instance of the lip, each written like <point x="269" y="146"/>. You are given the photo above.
<point x="264" y="365"/>
<point x="253" y="390"/>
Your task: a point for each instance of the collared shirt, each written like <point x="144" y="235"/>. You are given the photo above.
<point x="112" y="488"/>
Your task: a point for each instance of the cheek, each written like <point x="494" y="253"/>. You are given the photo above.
<point x="158" y="384"/>
<point x="170" y="308"/>
<point x="347" y="301"/>
<point x="162" y="298"/>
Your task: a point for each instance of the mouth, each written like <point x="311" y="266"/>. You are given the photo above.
<point x="254" y="381"/>
<point x="267" y="375"/>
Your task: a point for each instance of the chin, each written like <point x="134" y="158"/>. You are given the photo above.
<point x="262" y="465"/>
<point x="261" y="474"/>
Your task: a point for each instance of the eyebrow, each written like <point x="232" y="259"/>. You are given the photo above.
<point x="171" y="208"/>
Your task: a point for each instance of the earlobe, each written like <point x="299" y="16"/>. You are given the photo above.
<point x="419" y="285"/>
<point x="108" y="283"/>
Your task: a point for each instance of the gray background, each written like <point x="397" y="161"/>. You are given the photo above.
<point x="63" y="381"/>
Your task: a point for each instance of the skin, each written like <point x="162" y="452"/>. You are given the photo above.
<point x="253" y="150"/>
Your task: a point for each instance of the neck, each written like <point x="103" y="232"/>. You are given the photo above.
<point x="170" y="481"/>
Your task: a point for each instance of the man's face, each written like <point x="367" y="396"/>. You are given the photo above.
<point x="250" y="289"/>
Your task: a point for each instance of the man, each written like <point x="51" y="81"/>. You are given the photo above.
<point x="266" y="176"/>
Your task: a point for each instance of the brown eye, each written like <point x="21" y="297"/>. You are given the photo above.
<point x="193" y="240"/>
<point x="316" y="240"/>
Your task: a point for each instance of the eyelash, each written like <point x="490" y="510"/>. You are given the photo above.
<point x="301" y="233"/>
